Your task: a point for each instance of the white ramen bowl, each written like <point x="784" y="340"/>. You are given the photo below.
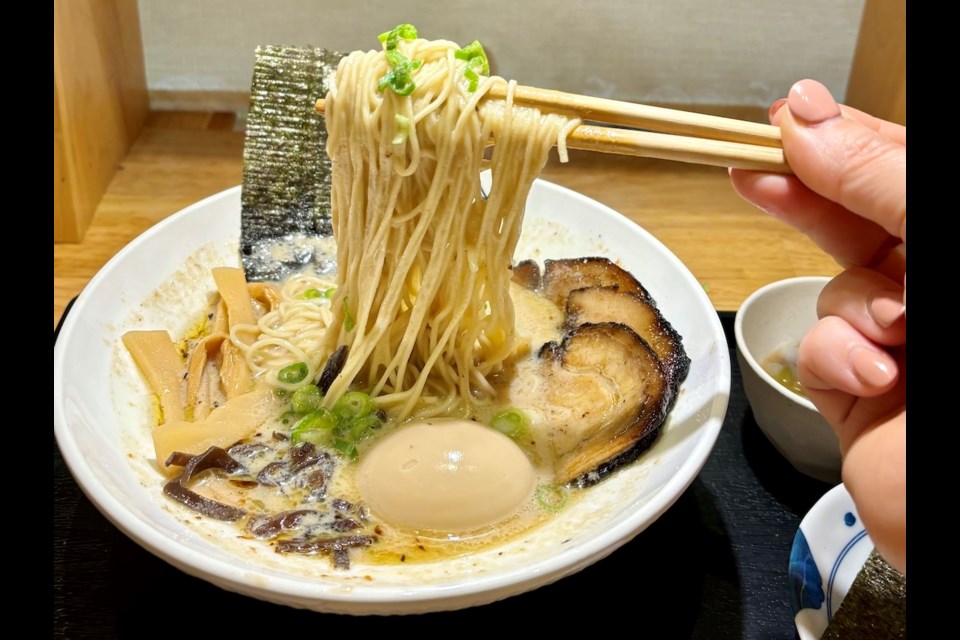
<point x="160" y="280"/>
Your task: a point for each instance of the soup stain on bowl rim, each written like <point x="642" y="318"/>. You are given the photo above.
<point x="98" y="454"/>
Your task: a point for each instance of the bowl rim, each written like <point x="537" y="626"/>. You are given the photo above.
<point x="748" y="355"/>
<point x="293" y="590"/>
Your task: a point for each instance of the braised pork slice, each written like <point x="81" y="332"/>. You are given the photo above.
<point x="527" y="275"/>
<point x="609" y="304"/>
<point x="602" y="397"/>
<point x="560" y="277"/>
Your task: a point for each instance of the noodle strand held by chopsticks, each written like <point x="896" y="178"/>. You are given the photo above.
<point x="423" y="284"/>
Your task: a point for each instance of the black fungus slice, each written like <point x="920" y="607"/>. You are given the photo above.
<point x="305" y="467"/>
<point x="179" y="459"/>
<point x="336" y="547"/>
<point x="262" y="526"/>
<point x="302" y="456"/>
<point x="274" y="474"/>
<point x="316" y="482"/>
<point x="311" y="469"/>
<point x="212" y="458"/>
<point x="249" y="451"/>
<point x="332" y="369"/>
<point x="341" y="505"/>
<point x="343" y="525"/>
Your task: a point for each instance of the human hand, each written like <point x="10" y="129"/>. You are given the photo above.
<point x="848" y="194"/>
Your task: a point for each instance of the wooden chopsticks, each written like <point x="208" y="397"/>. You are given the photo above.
<point x="668" y="134"/>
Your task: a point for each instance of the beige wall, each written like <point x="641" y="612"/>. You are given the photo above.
<point x="737" y="52"/>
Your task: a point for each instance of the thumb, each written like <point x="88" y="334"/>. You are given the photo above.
<point x="844" y="160"/>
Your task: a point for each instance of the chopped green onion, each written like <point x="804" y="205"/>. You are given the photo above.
<point x="319" y="419"/>
<point x="397" y="60"/>
<point x="354" y="404"/>
<point x="348" y="322"/>
<point x="363" y="426"/>
<point x="551" y="497"/>
<point x="477" y="63"/>
<point x="390" y="38"/>
<point x="403" y="129"/>
<point x="316" y="437"/>
<point x="511" y="422"/>
<point x="347" y="448"/>
<point x="473" y="79"/>
<point x="353" y="418"/>
<point x="398" y="78"/>
<point x="288" y="416"/>
<point x="358" y="416"/>
<point x="474" y="54"/>
<point x="294" y="373"/>
<point x="306" y="399"/>
<point x="325" y="294"/>
<point x="316" y="427"/>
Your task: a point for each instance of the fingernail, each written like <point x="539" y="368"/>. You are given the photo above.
<point x="870" y="367"/>
<point x="775" y="108"/>
<point x="810" y="101"/>
<point x="886" y="308"/>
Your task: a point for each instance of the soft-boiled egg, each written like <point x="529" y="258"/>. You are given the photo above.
<point x="445" y="475"/>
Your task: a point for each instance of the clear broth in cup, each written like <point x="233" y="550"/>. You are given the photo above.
<point x="781" y="364"/>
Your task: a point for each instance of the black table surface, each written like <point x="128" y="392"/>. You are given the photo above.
<point x="713" y="566"/>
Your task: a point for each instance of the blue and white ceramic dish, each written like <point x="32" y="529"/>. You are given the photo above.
<point x="828" y="552"/>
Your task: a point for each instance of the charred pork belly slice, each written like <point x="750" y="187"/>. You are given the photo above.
<point x="560" y="277"/>
<point x="609" y="304"/>
<point x="527" y="275"/>
<point x="604" y="398"/>
<point x="604" y="392"/>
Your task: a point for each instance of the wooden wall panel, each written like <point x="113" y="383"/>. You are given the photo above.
<point x="100" y="104"/>
<point x="878" y="77"/>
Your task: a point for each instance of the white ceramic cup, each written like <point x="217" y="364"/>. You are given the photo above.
<point x="777" y="314"/>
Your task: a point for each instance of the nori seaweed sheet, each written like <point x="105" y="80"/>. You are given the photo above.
<point x="875" y="607"/>
<point x="286" y="171"/>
